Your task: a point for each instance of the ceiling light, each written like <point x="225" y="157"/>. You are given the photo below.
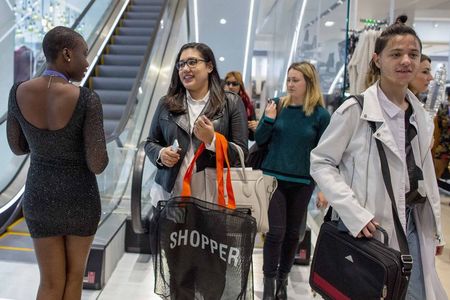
<point x="339" y="2"/>
<point x="223" y="21"/>
<point x="436" y="25"/>
<point x="221" y="58"/>
<point x="329" y="23"/>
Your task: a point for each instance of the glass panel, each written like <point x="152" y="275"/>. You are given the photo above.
<point x="93" y="19"/>
<point x="9" y="162"/>
<point x="275" y="34"/>
<point x="113" y="182"/>
<point x="320" y="40"/>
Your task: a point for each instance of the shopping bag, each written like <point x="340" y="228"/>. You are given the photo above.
<point x="252" y="189"/>
<point x="203" y="250"/>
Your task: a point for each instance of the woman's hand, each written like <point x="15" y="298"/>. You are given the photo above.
<point x="271" y="109"/>
<point x="252" y="125"/>
<point x="204" y="130"/>
<point x="169" y="157"/>
<point x="368" y="230"/>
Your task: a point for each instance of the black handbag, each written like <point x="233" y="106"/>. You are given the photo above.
<point x="256" y="154"/>
<point x="345" y="267"/>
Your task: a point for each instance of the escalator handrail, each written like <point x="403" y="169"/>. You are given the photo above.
<point x="83" y="13"/>
<point x="136" y="190"/>
<point x="131" y="102"/>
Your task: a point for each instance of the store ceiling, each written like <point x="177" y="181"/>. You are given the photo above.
<point x="229" y="40"/>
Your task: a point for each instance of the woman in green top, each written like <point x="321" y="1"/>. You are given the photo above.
<point x="290" y="133"/>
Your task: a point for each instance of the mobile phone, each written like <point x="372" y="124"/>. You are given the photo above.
<point x="175" y="146"/>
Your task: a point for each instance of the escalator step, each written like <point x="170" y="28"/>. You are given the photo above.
<point x="126" y="49"/>
<point x="112" y="83"/>
<point x="134" y="31"/>
<point x="147" y="2"/>
<point x="113" y="111"/>
<point x="22" y="241"/>
<point x="122" y="60"/>
<point x="19" y="226"/>
<point x="145" y="8"/>
<point x="130" y="40"/>
<point x="116" y="71"/>
<point x="113" y="96"/>
<point x="138" y="23"/>
<point x="142" y="15"/>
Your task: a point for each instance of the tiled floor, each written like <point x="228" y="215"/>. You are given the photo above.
<point x="133" y="277"/>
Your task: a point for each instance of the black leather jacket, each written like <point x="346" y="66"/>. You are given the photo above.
<point x="231" y="121"/>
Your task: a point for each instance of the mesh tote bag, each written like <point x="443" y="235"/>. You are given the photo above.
<point x="204" y="250"/>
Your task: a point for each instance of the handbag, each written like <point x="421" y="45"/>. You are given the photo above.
<point x="252" y="189"/>
<point x="203" y="250"/>
<point x="256" y="154"/>
<point x="345" y="267"/>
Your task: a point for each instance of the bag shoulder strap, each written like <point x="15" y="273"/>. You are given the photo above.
<point x="401" y="237"/>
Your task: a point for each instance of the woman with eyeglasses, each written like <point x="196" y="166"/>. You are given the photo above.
<point x="234" y="83"/>
<point x="290" y="133"/>
<point x="194" y="109"/>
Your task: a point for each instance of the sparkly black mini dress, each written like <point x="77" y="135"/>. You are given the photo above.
<point x="61" y="194"/>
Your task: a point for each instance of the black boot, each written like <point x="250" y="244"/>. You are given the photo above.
<point x="281" y="292"/>
<point x="269" y="288"/>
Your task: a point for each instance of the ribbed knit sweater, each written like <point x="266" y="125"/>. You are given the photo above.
<point x="290" y="138"/>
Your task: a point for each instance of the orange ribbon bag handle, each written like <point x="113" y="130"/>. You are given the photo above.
<point x="221" y="156"/>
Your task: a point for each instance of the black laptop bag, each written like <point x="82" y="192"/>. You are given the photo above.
<point x="344" y="267"/>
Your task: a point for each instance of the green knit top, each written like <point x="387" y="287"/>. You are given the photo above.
<point x="290" y="138"/>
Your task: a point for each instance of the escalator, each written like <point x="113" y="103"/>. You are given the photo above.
<point x="121" y="65"/>
<point x="116" y="72"/>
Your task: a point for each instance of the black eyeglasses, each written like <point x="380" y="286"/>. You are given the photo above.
<point x="232" y="83"/>
<point x="190" y="62"/>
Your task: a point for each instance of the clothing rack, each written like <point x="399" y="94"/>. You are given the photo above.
<point x="373" y="24"/>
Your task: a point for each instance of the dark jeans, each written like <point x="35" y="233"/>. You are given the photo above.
<point x="287" y="210"/>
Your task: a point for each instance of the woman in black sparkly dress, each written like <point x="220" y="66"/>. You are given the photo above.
<point x="61" y="126"/>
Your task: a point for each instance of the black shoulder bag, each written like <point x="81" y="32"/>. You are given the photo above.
<point x="256" y="154"/>
<point x="345" y="267"/>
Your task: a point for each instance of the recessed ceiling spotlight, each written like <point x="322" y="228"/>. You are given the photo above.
<point x="329" y="23"/>
<point x="436" y="25"/>
<point x="223" y="21"/>
<point x="221" y="58"/>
